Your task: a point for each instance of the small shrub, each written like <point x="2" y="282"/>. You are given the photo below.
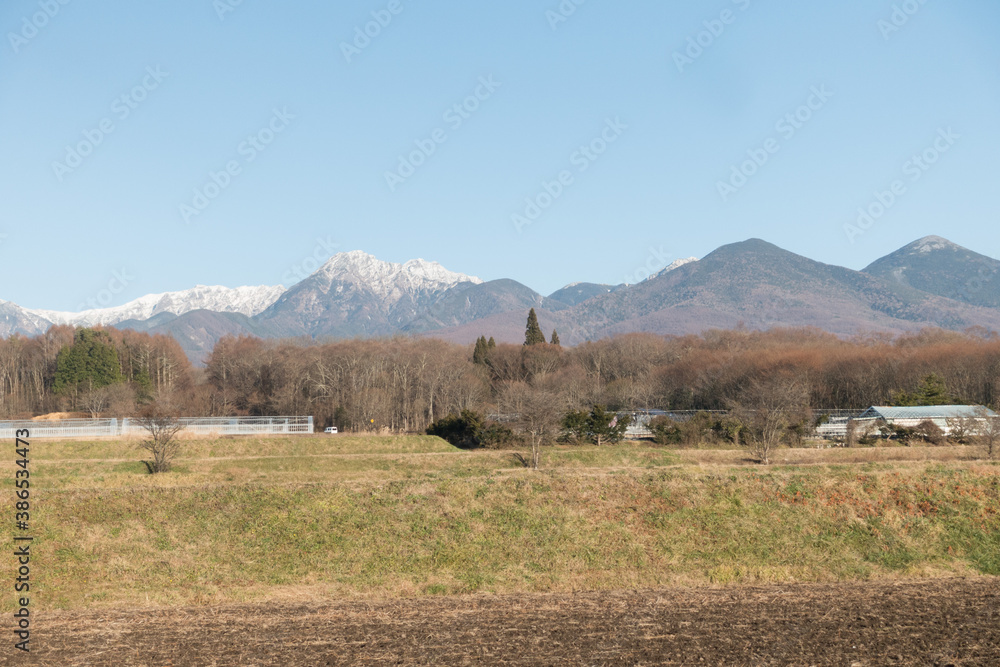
<point x="930" y="432"/>
<point x="469" y="430"/>
<point x="497" y="436"/>
<point x="461" y="430"/>
<point x="665" y="430"/>
<point x="690" y="433"/>
<point x="596" y="426"/>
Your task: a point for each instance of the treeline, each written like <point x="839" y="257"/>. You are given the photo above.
<point x="91" y="370"/>
<point x="405" y="384"/>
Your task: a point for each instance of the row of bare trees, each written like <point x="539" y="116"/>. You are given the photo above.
<point x="405" y="384"/>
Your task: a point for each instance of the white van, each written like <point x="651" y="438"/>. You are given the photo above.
<point x="332" y="429"/>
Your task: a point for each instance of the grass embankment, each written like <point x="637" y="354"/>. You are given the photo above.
<point x="326" y="517"/>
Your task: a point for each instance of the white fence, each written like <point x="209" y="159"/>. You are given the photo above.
<point x="63" y="428"/>
<point x="110" y="428"/>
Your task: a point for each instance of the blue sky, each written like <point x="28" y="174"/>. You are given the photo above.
<point x="162" y="95"/>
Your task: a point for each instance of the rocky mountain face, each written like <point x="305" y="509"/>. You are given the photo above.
<point x="931" y="282"/>
<point x="355" y="294"/>
<point x="17" y="320"/>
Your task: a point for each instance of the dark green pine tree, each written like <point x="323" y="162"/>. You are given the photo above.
<point x="481" y="350"/>
<point x="89" y="363"/>
<point x="555" y="338"/>
<point x="932" y="391"/>
<point x="533" y="333"/>
<point x="491" y="344"/>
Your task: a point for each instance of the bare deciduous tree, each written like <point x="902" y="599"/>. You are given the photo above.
<point x="987" y="434"/>
<point x="538" y="416"/>
<point x="765" y="410"/>
<point x="95" y="401"/>
<point x="118" y="398"/>
<point x="162" y="426"/>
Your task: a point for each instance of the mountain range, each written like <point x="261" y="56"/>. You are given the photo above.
<point x="930" y="282"/>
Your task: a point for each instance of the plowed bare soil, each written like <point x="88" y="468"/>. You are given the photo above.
<point x="933" y="622"/>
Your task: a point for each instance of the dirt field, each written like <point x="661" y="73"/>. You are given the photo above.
<point x="935" y="622"/>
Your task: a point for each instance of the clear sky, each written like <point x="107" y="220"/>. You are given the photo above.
<point x="113" y="114"/>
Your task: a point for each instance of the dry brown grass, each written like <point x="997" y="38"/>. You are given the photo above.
<point x="56" y="416"/>
<point x="248" y="519"/>
<point x="832" y="455"/>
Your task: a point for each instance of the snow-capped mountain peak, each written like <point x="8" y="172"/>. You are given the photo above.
<point x="246" y="300"/>
<point x="384" y="277"/>
<point x="676" y="264"/>
<point x="931" y="243"/>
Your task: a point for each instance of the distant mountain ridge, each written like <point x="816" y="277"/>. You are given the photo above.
<point x="937" y="266"/>
<point x="931" y="282"/>
<point x="247" y="301"/>
<point x="758" y="285"/>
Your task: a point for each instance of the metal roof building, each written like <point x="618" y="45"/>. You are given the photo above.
<point x="911" y="416"/>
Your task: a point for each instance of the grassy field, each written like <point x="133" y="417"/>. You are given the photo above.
<point x="299" y="518"/>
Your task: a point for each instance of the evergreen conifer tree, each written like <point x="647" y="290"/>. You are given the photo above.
<point x="533" y="333"/>
<point x="91" y="362"/>
<point x="555" y="338"/>
<point x="482" y="348"/>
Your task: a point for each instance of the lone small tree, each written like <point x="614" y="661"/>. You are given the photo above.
<point x="987" y="432"/>
<point x="533" y="333"/>
<point x="765" y="411"/>
<point x="538" y="413"/>
<point x="161" y="426"/>
<point x="555" y="338"/>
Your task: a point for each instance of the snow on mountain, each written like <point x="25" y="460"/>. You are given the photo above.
<point x="930" y="243"/>
<point x="389" y="279"/>
<point x="676" y="264"/>
<point x="246" y="300"/>
<point x="17" y="320"/>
